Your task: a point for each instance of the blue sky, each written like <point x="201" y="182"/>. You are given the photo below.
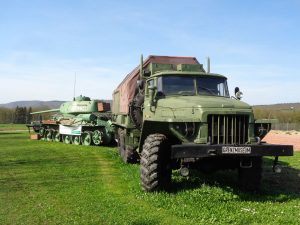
<point x="43" y="43"/>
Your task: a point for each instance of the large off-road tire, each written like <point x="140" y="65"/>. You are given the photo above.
<point x="250" y="178"/>
<point x="155" y="162"/>
<point x="127" y="153"/>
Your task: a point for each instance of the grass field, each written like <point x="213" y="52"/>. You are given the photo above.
<point x="54" y="183"/>
<point x="12" y="127"/>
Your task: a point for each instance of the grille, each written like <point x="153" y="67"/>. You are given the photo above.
<point x="228" y="129"/>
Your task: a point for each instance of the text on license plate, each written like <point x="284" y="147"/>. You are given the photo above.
<point x="236" y="150"/>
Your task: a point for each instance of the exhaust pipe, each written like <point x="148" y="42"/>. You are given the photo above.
<point x="141" y="67"/>
<point x="208" y="65"/>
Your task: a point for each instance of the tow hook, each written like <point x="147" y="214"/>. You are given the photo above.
<point x="184" y="171"/>
<point x="276" y="167"/>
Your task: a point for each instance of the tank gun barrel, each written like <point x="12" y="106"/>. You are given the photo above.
<point x="45" y="111"/>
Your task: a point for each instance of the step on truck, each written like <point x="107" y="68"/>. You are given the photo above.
<point x="171" y="114"/>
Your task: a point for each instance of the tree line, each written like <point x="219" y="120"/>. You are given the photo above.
<point x="281" y="115"/>
<point x="19" y="115"/>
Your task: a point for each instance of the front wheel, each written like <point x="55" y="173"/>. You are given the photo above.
<point x="156" y="168"/>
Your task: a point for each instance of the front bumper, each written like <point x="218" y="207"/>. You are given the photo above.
<point x="200" y="150"/>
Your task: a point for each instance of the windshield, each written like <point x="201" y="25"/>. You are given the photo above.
<point x="180" y="85"/>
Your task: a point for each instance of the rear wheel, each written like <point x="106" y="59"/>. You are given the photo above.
<point x="250" y="178"/>
<point x="156" y="168"/>
<point x="127" y="153"/>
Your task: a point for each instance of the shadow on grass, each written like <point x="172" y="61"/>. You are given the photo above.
<point x="275" y="187"/>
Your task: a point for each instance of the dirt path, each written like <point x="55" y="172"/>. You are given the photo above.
<point x="284" y="137"/>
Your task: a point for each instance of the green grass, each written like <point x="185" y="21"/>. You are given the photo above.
<point x="54" y="183"/>
<point x="11" y="127"/>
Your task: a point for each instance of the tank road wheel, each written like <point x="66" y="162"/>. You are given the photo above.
<point x="56" y="136"/>
<point x="76" y="140"/>
<point x="67" y="139"/>
<point x="250" y="178"/>
<point x="127" y="153"/>
<point x="86" y="138"/>
<point x="48" y="135"/>
<point x="156" y="168"/>
<point x="42" y="133"/>
<point x="97" y="137"/>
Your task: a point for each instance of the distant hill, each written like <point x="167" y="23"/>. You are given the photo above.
<point x="33" y="104"/>
<point x="281" y="106"/>
<point x="37" y="104"/>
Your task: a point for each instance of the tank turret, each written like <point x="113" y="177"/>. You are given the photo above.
<point x="81" y="121"/>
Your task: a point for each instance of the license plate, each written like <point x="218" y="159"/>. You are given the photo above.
<point x="236" y="150"/>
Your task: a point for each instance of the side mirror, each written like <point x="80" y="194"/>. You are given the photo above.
<point x="238" y="94"/>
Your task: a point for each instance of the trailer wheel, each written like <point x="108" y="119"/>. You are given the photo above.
<point x="155" y="162"/>
<point x="127" y="153"/>
<point x="250" y="178"/>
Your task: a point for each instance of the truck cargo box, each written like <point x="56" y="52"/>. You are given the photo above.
<point x="124" y="93"/>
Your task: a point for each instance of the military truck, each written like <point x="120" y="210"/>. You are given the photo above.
<point x="171" y="114"/>
<point x="81" y="121"/>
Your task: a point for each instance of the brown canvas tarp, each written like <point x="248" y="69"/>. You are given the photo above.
<point x="127" y="88"/>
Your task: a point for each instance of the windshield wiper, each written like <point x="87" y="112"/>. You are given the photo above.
<point x="207" y="89"/>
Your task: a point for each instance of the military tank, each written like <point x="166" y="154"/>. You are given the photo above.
<point x="81" y="121"/>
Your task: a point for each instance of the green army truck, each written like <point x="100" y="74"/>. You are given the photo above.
<point x="171" y="114"/>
